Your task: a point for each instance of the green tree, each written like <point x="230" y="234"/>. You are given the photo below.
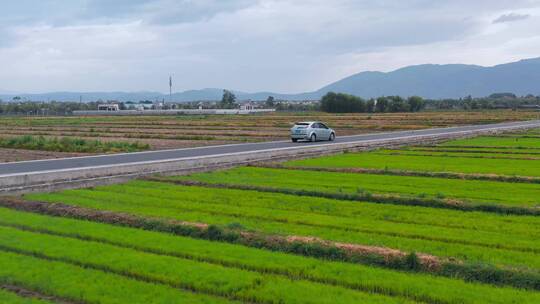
<point x="397" y="104"/>
<point x="270" y="102"/>
<point x="228" y="101"/>
<point x="342" y="103"/>
<point x="381" y="105"/>
<point x="416" y="103"/>
<point x="370" y="105"/>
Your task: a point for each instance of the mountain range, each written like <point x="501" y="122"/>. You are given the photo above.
<point x="427" y="80"/>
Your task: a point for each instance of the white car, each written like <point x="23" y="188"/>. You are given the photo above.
<point x="312" y="131"/>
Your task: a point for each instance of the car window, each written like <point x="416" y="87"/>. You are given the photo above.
<point x="315" y="126"/>
<point x="323" y="126"/>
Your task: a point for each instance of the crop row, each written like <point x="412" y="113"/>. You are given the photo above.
<point x="439" y="232"/>
<point x="82" y="285"/>
<point x="472" y="191"/>
<point x="480" y="150"/>
<point x="401" y="172"/>
<point x="306" y="246"/>
<point x="405" y="160"/>
<point x="212" y="279"/>
<point x="165" y="247"/>
<point x="145" y="134"/>
<point x="447" y="152"/>
<point x="487" y="141"/>
<point x="465" y="153"/>
<point x="141" y="136"/>
<point x="165" y="130"/>
<point x="364" y="196"/>
<point x="517" y="135"/>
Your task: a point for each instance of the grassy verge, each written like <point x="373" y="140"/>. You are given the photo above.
<point x="416" y="286"/>
<point x="68" y="144"/>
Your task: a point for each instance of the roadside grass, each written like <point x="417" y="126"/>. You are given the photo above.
<point x="471" y="236"/>
<point x="420" y="287"/>
<point x="10" y="297"/>
<point x="469" y="191"/>
<point x="403" y="160"/>
<point x="68" y="144"/>
<point x="80" y="285"/>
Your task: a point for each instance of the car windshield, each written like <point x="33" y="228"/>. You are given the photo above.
<point x="301" y="124"/>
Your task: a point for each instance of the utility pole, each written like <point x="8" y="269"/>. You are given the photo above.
<point x="170" y="88"/>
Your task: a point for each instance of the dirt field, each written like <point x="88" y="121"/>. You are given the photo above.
<point x="13" y="155"/>
<point x="167" y="132"/>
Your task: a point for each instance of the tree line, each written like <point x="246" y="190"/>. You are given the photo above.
<point x="331" y="102"/>
<point x="44" y="108"/>
<point x="346" y="103"/>
<point x="493" y="101"/>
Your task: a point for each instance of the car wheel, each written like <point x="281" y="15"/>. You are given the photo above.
<point x="313" y="137"/>
<point x="294" y="139"/>
<point x="332" y="137"/>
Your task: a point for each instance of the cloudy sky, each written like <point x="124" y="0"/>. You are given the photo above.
<point x="267" y="45"/>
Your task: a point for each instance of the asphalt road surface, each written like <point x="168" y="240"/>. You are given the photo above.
<point x="125" y="158"/>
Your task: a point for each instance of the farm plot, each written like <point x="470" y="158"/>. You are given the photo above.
<point x="431" y="161"/>
<point x="496" y="142"/>
<point x="498" y="156"/>
<point x="161" y="132"/>
<point x="495" y="239"/>
<point x="132" y="260"/>
<point x="468" y="192"/>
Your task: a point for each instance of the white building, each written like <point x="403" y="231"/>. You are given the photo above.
<point x="108" y="107"/>
<point x="248" y="106"/>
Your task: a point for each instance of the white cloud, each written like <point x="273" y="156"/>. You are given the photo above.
<point x="286" y="46"/>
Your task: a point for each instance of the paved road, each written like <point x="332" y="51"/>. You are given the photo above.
<point x="115" y="159"/>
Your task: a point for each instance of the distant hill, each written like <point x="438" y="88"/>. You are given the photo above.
<point x="426" y="80"/>
<point x="444" y="81"/>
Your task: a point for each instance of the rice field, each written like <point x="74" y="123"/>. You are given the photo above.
<point x="155" y="132"/>
<point x="454" y="222"/>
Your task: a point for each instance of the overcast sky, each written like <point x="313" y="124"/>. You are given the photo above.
<point x="280" y="46"/>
